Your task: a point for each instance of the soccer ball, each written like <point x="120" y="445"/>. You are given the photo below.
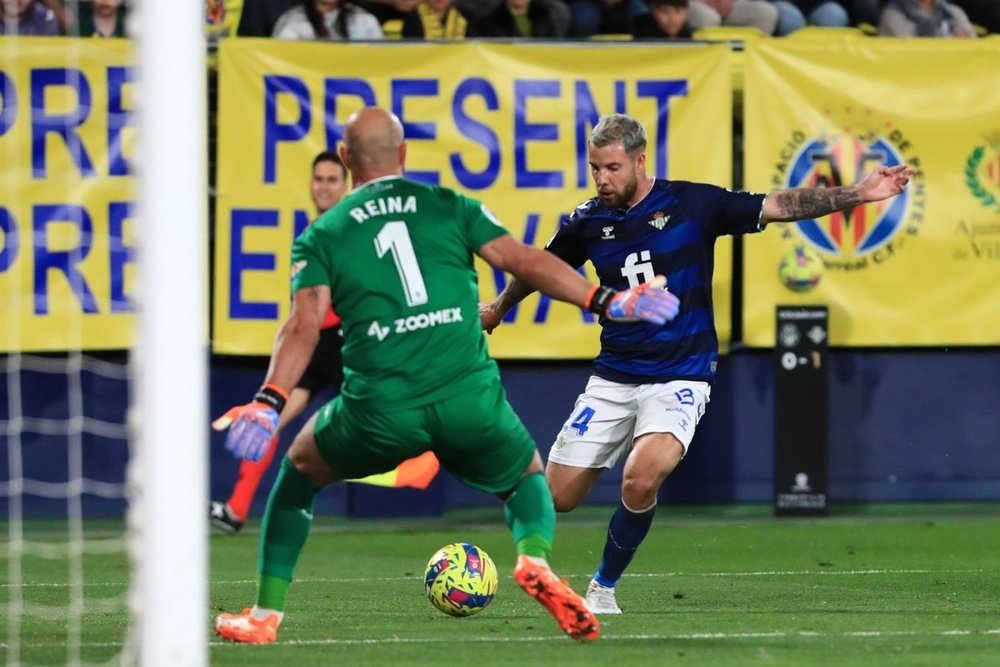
<point x="800" y="270"/>
<point x="460" y="579"/>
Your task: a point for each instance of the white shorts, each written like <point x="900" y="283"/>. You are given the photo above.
<point x="609" y="416"/>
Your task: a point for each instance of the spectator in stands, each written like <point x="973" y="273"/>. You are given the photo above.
<point x="426" y="19"/>
<point x="604" y="17"/>
<point x="797" y="14"/>
<point x="259" y="17"/>
<point x="924" y="18"/>
<point x="667" y="19"/>
<point x="758" y="14"/>
<point x="28" y="17"/>
<point x="544" y="19"/>
<point x="327" y="19"/>
<point x="100" y="18"/>
<point x="864" y="11"/>
<point x="982" y="12"/>
<point x="64" y="15"/>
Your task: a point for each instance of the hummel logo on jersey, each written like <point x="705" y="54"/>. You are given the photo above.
<point x="606" y="231"/>
<point x="659" y="220"/>
<point x="378" y="331"/>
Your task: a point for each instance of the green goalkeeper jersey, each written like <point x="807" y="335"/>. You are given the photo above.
<point x="398" y="257"/>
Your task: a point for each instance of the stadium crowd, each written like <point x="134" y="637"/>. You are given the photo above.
<point x="538" y="19"/>
<point x="614" y="19"/>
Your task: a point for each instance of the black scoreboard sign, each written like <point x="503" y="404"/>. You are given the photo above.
<point x="801" y="411"/>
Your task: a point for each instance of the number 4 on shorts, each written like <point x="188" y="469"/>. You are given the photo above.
<point x="581" y="421"/>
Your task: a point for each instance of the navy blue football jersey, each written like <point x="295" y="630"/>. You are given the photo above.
<point x="672" y="232"/>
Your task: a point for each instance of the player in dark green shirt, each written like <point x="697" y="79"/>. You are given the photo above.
<point x="395" y="257"/>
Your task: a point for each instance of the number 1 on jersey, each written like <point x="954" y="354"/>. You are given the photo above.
<point x="394" y="237"/>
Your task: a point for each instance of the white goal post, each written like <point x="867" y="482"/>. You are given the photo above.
<point x="169" y="600"/>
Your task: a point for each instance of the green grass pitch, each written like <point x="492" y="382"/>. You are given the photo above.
<point x="876" y="586"/>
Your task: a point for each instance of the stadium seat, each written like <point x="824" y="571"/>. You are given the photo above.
<point x="611" y="37"/>
<point x="827" y="33"/>
<point x="728" y="33"/>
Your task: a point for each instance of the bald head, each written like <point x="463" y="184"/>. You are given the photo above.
<point x="373" y="144"/>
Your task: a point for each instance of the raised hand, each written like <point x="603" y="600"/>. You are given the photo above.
<point x="884" y="182"/>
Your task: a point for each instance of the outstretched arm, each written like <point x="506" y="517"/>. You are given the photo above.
<point x="492" y="313"/>
<point x="533" y="268"/>
<point x="297" y="339"/>
<point x="807" y="203"/>
<point x="253" y="425"/>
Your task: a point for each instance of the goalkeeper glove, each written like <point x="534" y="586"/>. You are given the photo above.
<point x="649" y="302"/>
<point x="252" y="426"/>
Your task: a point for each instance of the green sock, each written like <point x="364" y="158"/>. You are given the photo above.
<point x="284" y="530"/>
<point x="531" y="516"/>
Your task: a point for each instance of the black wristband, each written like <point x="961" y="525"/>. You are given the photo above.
<point x="599" y="302"/>
<point x="270" y="396"/>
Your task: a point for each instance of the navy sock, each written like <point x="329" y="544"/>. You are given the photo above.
<point x="626" y="531"/>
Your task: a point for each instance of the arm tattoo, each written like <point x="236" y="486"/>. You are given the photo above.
<point x="809" y="203"/>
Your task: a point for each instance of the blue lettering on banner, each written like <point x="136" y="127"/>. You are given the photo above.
<point x="401" y="89"/>
<point x="65" y="261"/>
<point x="9" y="93"/>
<point x="11" y="240"/>
<point x="120" y="255"/>
<point x="240" y="261"/>
<point x="661" y="91"/>
<point x="531" y="226"/>
<point x="585" y="115"/>
<point x="275" y="132"/>
<point x="479" y="132"/>
<point x="62" y="125"/>
<point x="119" y="118"/>
<point x="300" y="220"/>
<point x="586" y="118"/>
<point x="525" y="132"/>
<point x="336" y="88"/>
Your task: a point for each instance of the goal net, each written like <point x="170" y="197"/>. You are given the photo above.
<point x="103" y="343"/>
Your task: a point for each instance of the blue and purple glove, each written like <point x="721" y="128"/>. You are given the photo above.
<point x="253" y="426"/>
<point x="648" y="302"/>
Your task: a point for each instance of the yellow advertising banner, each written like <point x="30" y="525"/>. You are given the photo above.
<point x="504" y="123"/>
<point x="67" y="251"/>
<point x="922" y="269"/>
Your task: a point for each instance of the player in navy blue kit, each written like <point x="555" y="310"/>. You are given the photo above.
<point x="650" y="384"/>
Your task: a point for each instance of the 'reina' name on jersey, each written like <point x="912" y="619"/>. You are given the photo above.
<point x="384" y="206"/>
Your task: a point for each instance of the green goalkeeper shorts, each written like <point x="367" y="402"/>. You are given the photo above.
<point x="476" y="435"/>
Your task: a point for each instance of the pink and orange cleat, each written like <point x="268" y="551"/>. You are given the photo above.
<point x="572" y="613"/>
<point x="246" y="629"/>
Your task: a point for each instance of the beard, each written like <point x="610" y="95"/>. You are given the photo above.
<point x="619" y="200"/>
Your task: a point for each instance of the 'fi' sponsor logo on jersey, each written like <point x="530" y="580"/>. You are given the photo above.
<point x="839" y="150"/>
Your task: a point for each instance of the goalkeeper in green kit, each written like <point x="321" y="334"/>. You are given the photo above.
<point x="395" y="258"/>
